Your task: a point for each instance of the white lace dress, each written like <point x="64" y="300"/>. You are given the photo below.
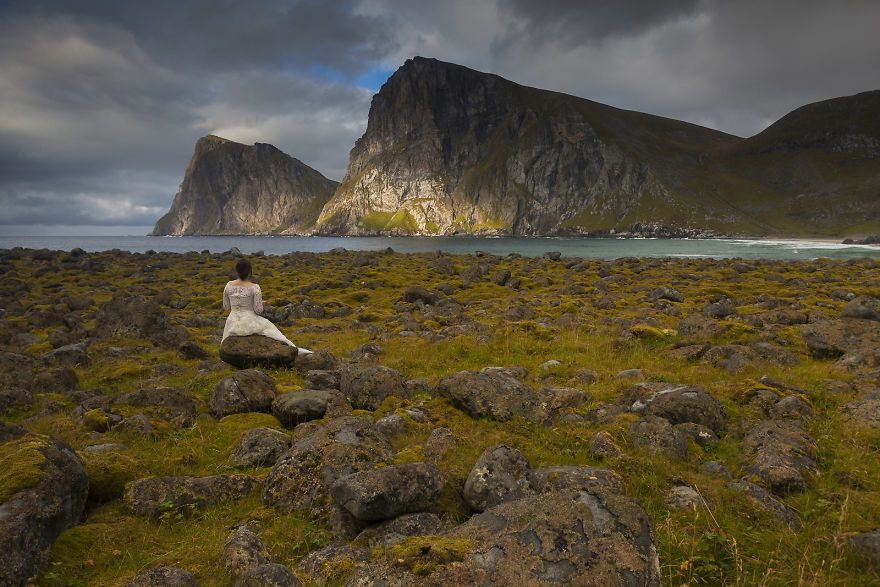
<point x="245" y="304"/>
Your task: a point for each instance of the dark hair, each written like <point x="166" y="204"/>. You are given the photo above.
<point x="243" y="268"/>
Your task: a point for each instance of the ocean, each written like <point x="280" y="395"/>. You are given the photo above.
<point x="593" y="248"/>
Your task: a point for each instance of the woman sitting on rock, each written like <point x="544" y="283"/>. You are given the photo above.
<point x="244" y="301"/>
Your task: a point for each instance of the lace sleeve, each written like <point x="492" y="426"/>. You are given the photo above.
<point x="258" y="300"/>
<point x="226" y="305"/>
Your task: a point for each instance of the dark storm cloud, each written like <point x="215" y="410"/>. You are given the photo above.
<point x="101" y="101"/>
<point x="578" y="22"/>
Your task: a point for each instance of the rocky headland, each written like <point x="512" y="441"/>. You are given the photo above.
<point x="449" y="150"/>
<point x="465" y="419"/>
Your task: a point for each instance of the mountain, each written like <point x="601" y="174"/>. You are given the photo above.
<point x="231" y="188"/>
<point x="451" y="150"/>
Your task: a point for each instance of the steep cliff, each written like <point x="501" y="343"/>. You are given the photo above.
<point x="231" y="188"/>
<point x="451" y="150"/>
<point x="448" y="150"/>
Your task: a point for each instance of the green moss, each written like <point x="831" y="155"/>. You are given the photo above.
<point x="108" y="473"/>
<point x="21" y="464"/>
<point x="96" y="420"/>
<point x="424" y="554"/>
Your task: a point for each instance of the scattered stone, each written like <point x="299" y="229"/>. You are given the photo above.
<point x="494" y="394"/>
<point x="167" y="403"/>
<point x="243" y="550"/>
<point x="666" y="293"/>
<point x="548" y="365"/>
<point x="138" y="425"/>
<point x="589" y="479"/>
<point x="791" y="407"/>
<point x="387" y="492"/>
<point x="438" y="444"/>
<point x="384" y="534"/>
<point x="268" y="575"/>
<point x="69" y="355"/>
<point x="862" y="307"/>
<point x="684" y="403"/>
<point x="700" y="434"/>
<point x="190" y="351"/>
<point x="366" y="387"/>
<point x="766" y="501"/>
<point x="246" y="352"/>
<point x="830" y="339"/>
<point x="682" y="497"/>
<point x="419" y="294"/>
<point x="58" y="379"/>
<point x="658" y="435"/>
<point x="164" y="576"/>
<point x="733" y="358"/>
<point x="155" y="495"/>
<point x="501" y="474"/>
<point x="297" y="407"/>
<point x="864" y="410"/>
<point x="244" y="391"/>
<point x="321" y="454"/>
<point x="867" y="545"/>
<point x="716" y="468"/>
<point x="321" y="379"/>
<point x="782" y="454"/>
<point x="602" y="446"/>
<point x="391" y="425"/>
<point x="638" y="374"/>
<point x="260" y="447"/>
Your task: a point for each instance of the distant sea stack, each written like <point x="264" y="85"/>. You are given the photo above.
<point x="231" y="188"/>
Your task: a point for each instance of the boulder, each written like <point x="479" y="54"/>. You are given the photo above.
<point x="249" y="390"/>
<point x="155" y="495"/>
<point x="684" y="403"/>
<point x="387" y="492"/>
<point x="438" y="444"/>
<point x="321" y="379"/>
<point x="501" y="474"/>
<point x="602" y="446"/>
<point x="126" y="316"/>
<point x="191" y="351"/>
<point x="260" y="447"/>
<point x="246" y="352"/>
<point x="666" y="293"/>
<point x="268" y="575"/>
<point x="367" y="386"/>
<point x="765" y="500"/>
<point x="733" y="358"/>
<point x="391" y="425"/>
<point x="493" y="394"/>
<point x="565" y="537"/>
<point x="243" y="549"/>
<point x="70" y="355"/>
<point x="700" y="434"/>
<point x="321" y="454"/>
<point x="319" y="360"/>
<point x="782" y="454"/>
<point x="167" y="403"/>
<point x="586" y="478"/>
<point x="864" y="410"/>
<point x="867" y="546"/>
<point x="297" y="407"/>
<point x="43" y="491"/>
<point x="682" y="497"/>
<point x="791" y="407"/>
<point x="164" y="576"/>
<point x="416" y="293"/>
<point x="659" y="436"/>
<point x="384" y="534"/>
<point x="862" y="307"/>
<point x="830" y="339"/>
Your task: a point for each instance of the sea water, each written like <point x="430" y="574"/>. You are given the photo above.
<point x="593" y="248"/>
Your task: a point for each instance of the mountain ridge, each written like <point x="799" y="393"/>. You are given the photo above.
<point x="451" y="150"/>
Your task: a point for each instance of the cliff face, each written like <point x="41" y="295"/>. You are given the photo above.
<point x="451" y="150"/>
<point x="231" y="188"/>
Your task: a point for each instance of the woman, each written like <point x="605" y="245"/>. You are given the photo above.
<point x="244" y="301"/>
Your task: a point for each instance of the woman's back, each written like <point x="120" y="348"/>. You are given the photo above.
<point x="246" y="298"/>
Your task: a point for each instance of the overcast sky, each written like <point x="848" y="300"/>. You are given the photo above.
<point x="101" y="101"/>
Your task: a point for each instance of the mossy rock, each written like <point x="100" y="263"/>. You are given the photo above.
<point x="21" y="464"/>
<point x="96" y="420"/>
<point x="423" y="554"/>
<point x="108" y="473"/>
